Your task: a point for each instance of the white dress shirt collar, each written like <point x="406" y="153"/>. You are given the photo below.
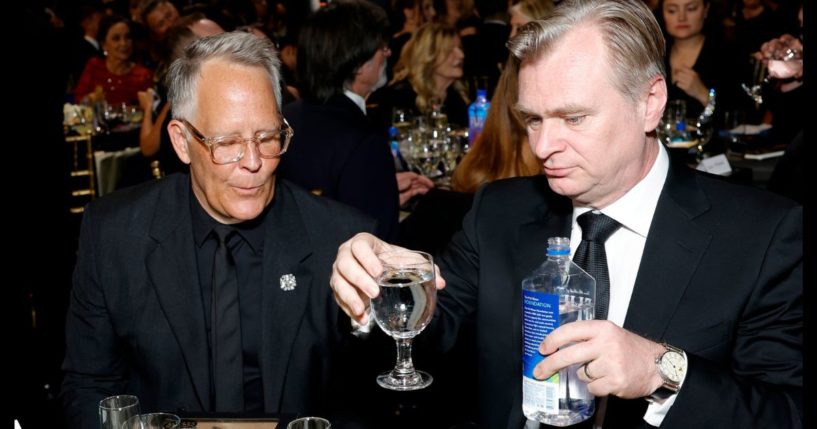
<point x="92" y="41"/>
<point x="357" y="99"/>
<point x="635" y="209"/>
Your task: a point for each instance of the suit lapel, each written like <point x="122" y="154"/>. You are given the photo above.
<point x="547" y="219"/>
<point x="171" y="268"/>
<point x="286" y="251"/>
<point x="551" y="218"/>
<point x="674" y="248"/>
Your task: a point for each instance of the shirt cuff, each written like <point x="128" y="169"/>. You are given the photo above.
<point x="363" y="330"/>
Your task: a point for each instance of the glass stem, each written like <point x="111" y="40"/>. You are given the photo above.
<point x="404" y="364"/>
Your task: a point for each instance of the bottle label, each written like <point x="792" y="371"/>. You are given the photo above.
<point x="540" y="316"/>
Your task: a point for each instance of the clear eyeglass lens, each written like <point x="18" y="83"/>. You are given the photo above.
<point x="231" y="148"/>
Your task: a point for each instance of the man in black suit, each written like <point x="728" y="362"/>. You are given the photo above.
<point x="146" y="312"/>
<point x="338" y="152"/>
<point x="699" y="269"/>
<point x="83" y="49"/>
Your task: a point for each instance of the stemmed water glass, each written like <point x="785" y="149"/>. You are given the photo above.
<point x="403" y="308"/>
<point x="779" y="58"/>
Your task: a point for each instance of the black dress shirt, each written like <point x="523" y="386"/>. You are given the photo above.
<point x="247" y="250"/>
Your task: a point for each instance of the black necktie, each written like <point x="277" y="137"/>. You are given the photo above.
<point x="596" y="229"/>
<point x="228" y="369"/>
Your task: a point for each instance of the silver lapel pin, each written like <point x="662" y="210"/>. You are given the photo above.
<point x="288" y="282"/>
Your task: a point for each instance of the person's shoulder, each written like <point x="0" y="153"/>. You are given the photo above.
<point x="322" y="211"/>
<point x="517" y="189"/>
<point x="742" y="206"/>
<point x="131" y="204"/>
<point x="723" y="191"/>
<point x="338" y="109"/>
<point x="518" y="197"/>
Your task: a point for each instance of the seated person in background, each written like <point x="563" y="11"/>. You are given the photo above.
<point x="338" y="152"/>
<point x="697" y="59"/>
<point x="785" y="101"/>
<point x="118" y="77"/>
<point x="485" y="52"/>
<point x="158" y="16"/>
<point x="502" y="148"/>
<point x="86" y="46"/>
<point x="154" y="140"/>
<point x="784" y="95"/>
<point x="207" y="292"/>
<point x="427" y="72"/>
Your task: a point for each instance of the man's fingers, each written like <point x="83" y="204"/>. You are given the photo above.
<point x="578" y="353"/>
<point x="349" y="298"/>
<point x="439" y="280"/>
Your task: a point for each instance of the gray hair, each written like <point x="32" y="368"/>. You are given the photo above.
<point x="635" y="44"/>
<point x="236" y="47"/>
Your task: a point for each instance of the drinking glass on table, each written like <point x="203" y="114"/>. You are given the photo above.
<point x="153" y="421"/>
<point x="403" y="308"/>
<point x="309" y="423"/>
<point x="116" y="410"/>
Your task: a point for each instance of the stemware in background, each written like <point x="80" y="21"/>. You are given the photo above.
<point x="705" y="124"/>
<point x="309" y="423"/>
<point x="401" y="120"/>
<point x="114" y="411"/>
<point x="153" y="421"/>
<point x="403" y="308"/>
<point x="437" y="116"/>
<point x="735" y="128"/>
<point x="782" y="57"/>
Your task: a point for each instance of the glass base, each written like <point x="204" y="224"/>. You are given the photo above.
<point x="403" y="382"/>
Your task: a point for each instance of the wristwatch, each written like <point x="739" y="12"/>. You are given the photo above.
<point x="672" y="366"/>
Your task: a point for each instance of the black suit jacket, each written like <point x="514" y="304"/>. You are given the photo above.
<point x="720" y="277"/>
<point x="338" y="152"/>
<point x="136" y="319"/>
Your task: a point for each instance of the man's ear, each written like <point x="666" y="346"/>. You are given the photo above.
<point x="178" y="135"/>
<point x="654" y="102"/>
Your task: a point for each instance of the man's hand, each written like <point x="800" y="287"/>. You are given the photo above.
<point x="354" y="271"/>
<point x="410" y="184"/>
<point x="618" y="362"/>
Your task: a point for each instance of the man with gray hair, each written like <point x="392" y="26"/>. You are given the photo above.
<point x="205" y="292"/>
<point x="699" y="282"/>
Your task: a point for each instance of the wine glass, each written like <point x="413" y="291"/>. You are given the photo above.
<point x="403" y="308"/>
<point x="309" y="423"/>
<point x="115" y="410"/>
<point x="780" y="58"/>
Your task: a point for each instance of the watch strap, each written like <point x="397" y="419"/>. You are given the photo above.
<point x="669" y="387"/>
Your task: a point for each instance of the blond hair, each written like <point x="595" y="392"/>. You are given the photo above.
<point x="423" y="53"/>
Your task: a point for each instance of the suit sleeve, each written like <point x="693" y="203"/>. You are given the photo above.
<point x="459" y="265"/>
<point x="93" y="368"/>
<point x="763" y="386"/>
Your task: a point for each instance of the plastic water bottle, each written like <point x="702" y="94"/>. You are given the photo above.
<point x="680" y="134"/>
<point x="394" y="144"/>
<point x="477" y="112"/>
<point x="555" y="293"/>
<point x="705" y="124"/>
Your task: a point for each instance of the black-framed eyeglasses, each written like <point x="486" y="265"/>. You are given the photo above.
<point x="229" y="149"/>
